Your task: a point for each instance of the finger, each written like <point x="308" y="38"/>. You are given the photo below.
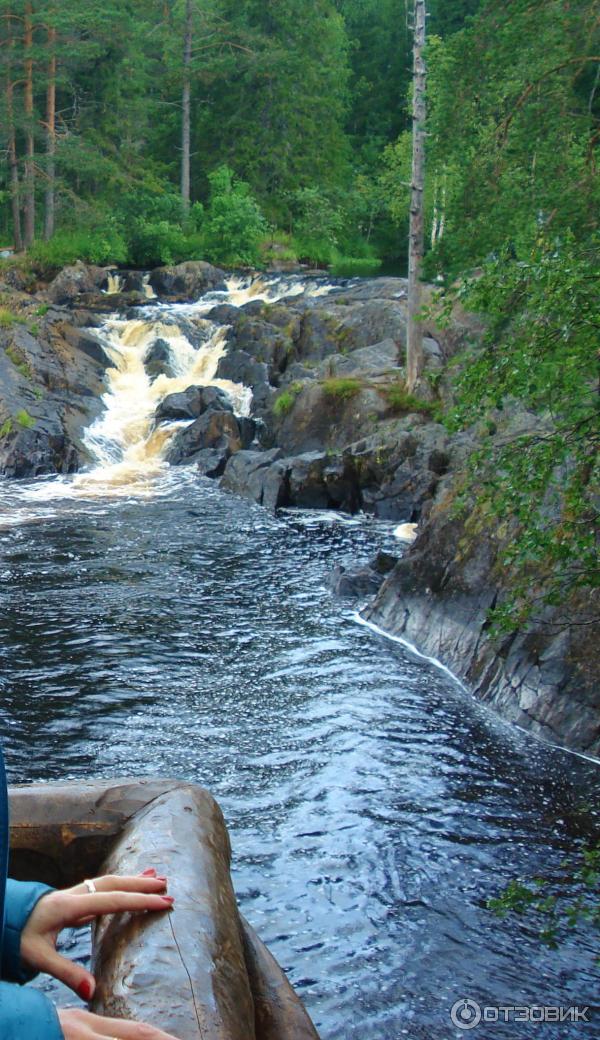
<point x="73" y="975"/>
<point x="112" y="883"/>
<point x="75" y="907"/>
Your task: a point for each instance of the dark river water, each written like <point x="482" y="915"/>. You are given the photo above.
<point x="373" y="805"/>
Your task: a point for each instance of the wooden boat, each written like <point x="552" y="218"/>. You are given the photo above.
<point x="199" y="972"/>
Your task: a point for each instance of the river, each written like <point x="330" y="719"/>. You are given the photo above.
<point x="153" y="624"/>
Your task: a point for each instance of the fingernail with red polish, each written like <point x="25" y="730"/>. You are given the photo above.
<point x="149" y="873"/>
<point x="167" y="899"/>
<point x="85" y="990"/>
<point x="160" y="878"/>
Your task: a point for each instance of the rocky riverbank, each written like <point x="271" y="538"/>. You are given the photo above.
<point x="330" y="426"/>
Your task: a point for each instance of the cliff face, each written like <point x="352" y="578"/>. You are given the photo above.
<point x="544" y="677"/>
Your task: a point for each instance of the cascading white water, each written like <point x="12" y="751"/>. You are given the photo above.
<point x="125" y="442"/>
<point x="264" y="288"/>
<point x="147" y="289"/>
<point x="114" y="283"/>
<point x="127" y="446"/>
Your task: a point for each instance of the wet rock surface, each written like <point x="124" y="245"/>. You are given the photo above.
<point x="542" y="677"/>
<point x="52" y="380"/>
<point x="158" y="360"/>
<point x="191" y="403"/>
<point x="186" y="282"/>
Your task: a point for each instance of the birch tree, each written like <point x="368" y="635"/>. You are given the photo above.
<point x="414" y="342"/>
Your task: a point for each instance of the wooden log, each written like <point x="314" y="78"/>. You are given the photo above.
<point x="183" y="970"/>
<point x="199" y="971"/>
<point x="277" y="1010"/>
<point x="61" y="832"/>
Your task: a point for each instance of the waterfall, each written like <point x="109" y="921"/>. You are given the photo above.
<point x="125" y="444"/>
<point x="115" y="283"/>
<point x="147" y="289"/>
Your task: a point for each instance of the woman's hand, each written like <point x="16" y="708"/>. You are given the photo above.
<point x="76" y="906"/>
<point x="82" y="1025"/>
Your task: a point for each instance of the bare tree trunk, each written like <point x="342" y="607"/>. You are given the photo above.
<point x="186" y="108"/>
<point x="12" y="151"/>
<point x="29" y="131"/>
<point x="414" y="345"/>
<point x="50" y="136"/>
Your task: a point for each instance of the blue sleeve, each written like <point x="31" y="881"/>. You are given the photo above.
<point x="21" y="897"/>
<point x="26" y="1014"/>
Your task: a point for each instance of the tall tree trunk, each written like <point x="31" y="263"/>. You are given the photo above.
<point x="414" y="344"/>
<point x="50" y="136"/>
<point x="186" y="108"/>
<point x="29" y="131"/>
<point x="12" y="149"/>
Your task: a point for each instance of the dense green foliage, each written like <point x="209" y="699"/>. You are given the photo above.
<point x="541" y="353"/>
<point x="299" y="105"/>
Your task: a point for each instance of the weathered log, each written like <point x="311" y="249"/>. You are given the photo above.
<point x="278" y="1012"/>
<point x="199" y="971"/>
<point x="189" y="962"/>
<point x="61" y="832"/>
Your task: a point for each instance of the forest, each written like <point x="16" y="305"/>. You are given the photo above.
<point x="140" y="133"/>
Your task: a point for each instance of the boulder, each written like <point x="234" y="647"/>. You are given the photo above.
<point x="404" y="496"/>
<point x="331" y="328"/>
<point x="214" y="429"/>
<point x="355" y="584"/>
<point x="192" y="403"/>
<point x="158" y="360"/>
<point x="378" y="358"/>
<point x="186" y="282"/>
<point x="224" y="314"/>
<point x="248" y="429"/>
<point x="320" y="420"/>
<point x="319" y="481"/>
<point x="259" y="476"/>
<point x="239" y="367"/>
<point x="37" y="451"/>
<point x="74" y="280"/>
<point x="210" y="462"/>
<point x="88" y="343"/>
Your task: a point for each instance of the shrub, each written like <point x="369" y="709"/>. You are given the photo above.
<point x="356" y="267"/>
<point x="156" y="228"/>
<point x="19" y="361"/>
<point x="8" y="319"/>
<point x="285" y="402"/>
<point x="341" y="388"/>
<point x="25" y="419"/>
<point x="234" y="225"/>
<point x="7" y="428"/>
<point x="104" y="245"/>
<point x="401" y="401"/>
<point x="318" y="224"/>
<point x="42" y="309"/>
<point x="278" y="247"/>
